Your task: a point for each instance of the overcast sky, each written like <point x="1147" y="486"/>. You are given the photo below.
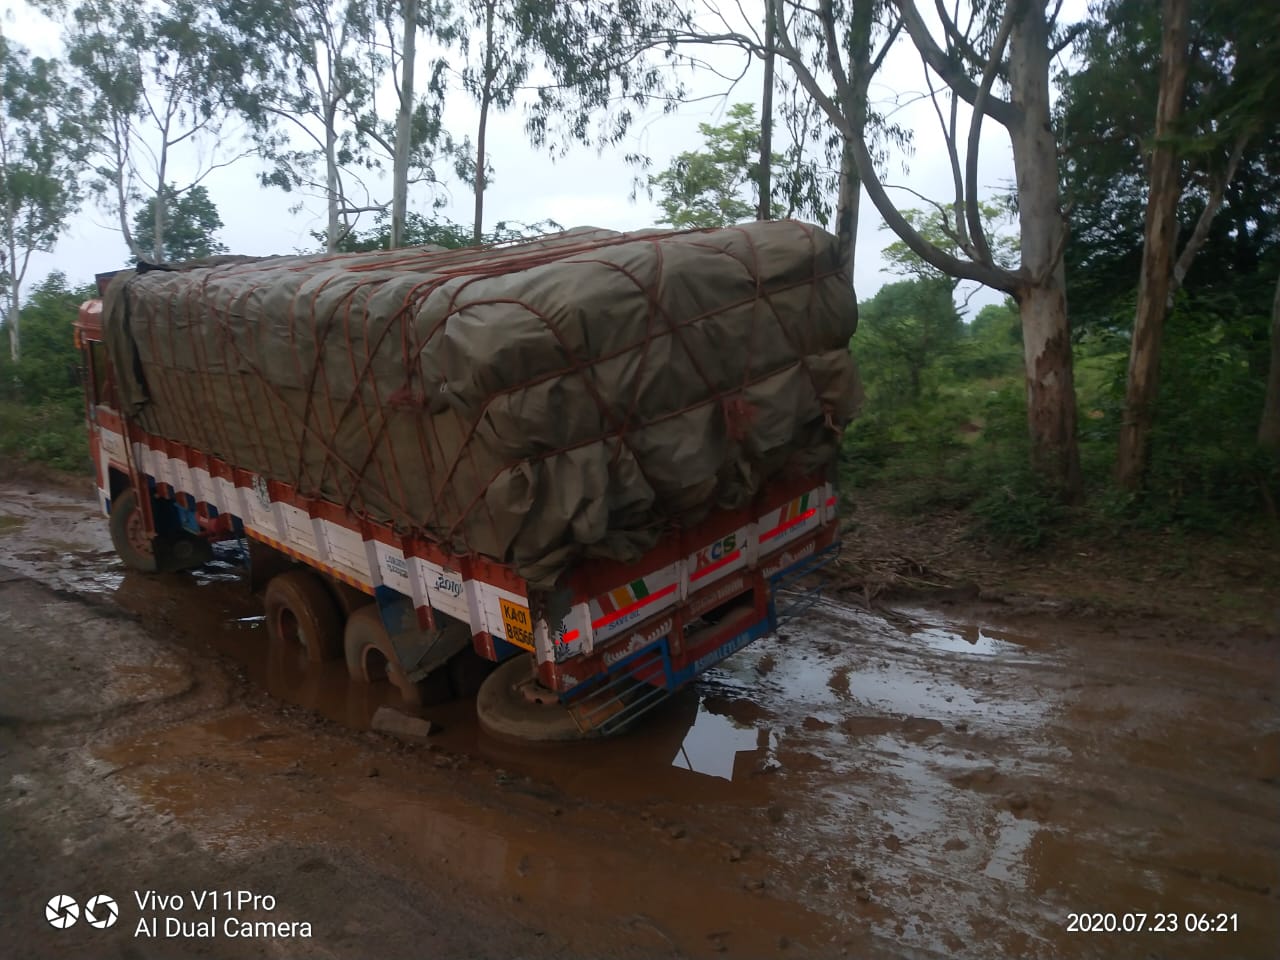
<point x="583" y="188"/>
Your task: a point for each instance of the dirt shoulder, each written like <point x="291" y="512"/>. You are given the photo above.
<point x="1213" y="586"/>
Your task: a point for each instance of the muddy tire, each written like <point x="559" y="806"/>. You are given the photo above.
<point x="301" y="612"/>
<point x="507" y="711"/>
<point x="371" y="657"/>
<point x="128" y="535"/>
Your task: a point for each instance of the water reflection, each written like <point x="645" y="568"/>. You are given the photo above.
<point x="714" y="744"/>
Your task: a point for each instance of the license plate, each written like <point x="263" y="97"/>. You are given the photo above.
<point x="518" y="624"/>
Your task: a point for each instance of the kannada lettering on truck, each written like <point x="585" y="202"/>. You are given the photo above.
<point x="442" y="460"/>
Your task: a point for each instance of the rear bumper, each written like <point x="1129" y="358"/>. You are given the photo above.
<point x="663" y="654"/>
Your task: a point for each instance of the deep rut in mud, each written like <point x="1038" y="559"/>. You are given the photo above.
<point x="916" y="784"/>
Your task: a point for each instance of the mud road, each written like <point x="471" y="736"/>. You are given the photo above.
<point x="913" y="784"/>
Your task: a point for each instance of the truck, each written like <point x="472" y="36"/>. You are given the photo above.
<point x="579" y="645"/>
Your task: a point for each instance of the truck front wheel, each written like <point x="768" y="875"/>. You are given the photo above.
<point x="301" y="612"/>
<point x="129" y="534"/>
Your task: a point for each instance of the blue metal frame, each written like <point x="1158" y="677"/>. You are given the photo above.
<point x="617" y="698"/>
<point x="788" y="575"/>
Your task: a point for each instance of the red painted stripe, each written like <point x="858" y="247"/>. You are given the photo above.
<point x="712" y="567"/>
<point x="784" y="527"/>
<point x="644" y="602"/>
<point x="831" y="501"/>
<point x="569" y="637"/>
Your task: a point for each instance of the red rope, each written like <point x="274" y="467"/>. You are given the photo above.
<point x="325" y="413"/>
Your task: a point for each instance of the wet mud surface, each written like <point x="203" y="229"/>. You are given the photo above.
<point x="913" y="784"/>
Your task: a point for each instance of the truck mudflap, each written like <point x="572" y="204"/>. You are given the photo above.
<point x="634" y="685"/>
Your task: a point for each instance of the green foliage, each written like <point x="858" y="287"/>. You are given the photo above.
<point x="903" y="332"/>
<point x="947" y="232"/>
<point x="719" y="184"/>
<point x="41" y="402"/>
<point x="315" y="68"/>
<point x="46" y="370"/>
<point x="1206" y="470"/>
<point x="160" y="78"/>
<point x="1107" y="115"/>
<point x="49" y="433"/>
<point x="190" y="223"/>
<point x="962" y="444"/>
<point x="422" y="231"/>
<point x="42" y="153"/>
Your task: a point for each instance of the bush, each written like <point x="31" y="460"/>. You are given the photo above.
<point x="52" y="433"/>
<point x="962" y="444"/>
<point x="41" y="402"/>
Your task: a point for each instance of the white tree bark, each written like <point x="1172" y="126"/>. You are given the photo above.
<point x="404" y="126"/>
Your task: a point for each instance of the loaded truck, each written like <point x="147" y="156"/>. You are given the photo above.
<point x="566" y="475"/>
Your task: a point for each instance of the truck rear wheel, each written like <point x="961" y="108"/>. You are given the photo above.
<point x="301" y="612"/>
<point x="372" y="657"/>
<point x="128" y="533"/>
<point x="513" y="706"/>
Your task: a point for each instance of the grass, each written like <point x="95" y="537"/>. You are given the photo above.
<point x="52" y="433"/>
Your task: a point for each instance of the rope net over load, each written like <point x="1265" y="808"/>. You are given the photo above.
<point x="539" y="403"/>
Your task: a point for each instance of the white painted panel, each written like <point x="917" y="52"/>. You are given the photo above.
<point x="445" y="590"/>
<point x="345" y="549"/>
<point x="393" y="570"/>
<point x="298" y="531"/>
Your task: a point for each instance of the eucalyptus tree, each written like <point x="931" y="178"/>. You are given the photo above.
<point x="314" y="106"/>
<point x="708" y="187"/>
<point x="164" y="80"/>
<point x="1166" y="165"/>
<point x="191" y="225"/>
<point x="315" y="74"/>
<point x="43" y="133"/>
<point x="498" y="61"/>
<point x="965" y="55"/>
<point x="416" y="138"/>
<point x="994" y="56"/>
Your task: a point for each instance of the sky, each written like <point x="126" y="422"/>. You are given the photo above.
<point x="584" y="187"/>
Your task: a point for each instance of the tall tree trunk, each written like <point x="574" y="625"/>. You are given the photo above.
<point x="13" y="294"/>
<point x="1269" y="429"/>
<point x="765" y="209"/>
<point x="485" y="98"/>
<point x="122" y="199"/>
<point x="1159" y="239"/>
<point x="404" y="126"/>
<point x="162" y="202"/>
<point x="850" y="199"/>
<point x="331" y="178"/>
<point x="11" y="321"/>
<point x="1042" y="300"/>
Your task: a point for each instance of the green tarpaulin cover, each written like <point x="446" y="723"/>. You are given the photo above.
<point x="537" y="403"/>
